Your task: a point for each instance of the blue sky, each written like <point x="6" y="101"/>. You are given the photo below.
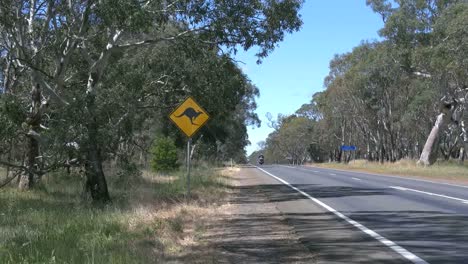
<point x="295" y="70"/>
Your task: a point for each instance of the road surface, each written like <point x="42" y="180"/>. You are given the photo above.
<point x="352" y="217"/>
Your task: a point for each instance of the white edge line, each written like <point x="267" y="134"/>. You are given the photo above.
<point x="383" y="175"/>
<point x="429" y="193"/>
<point x="398" y="249"/>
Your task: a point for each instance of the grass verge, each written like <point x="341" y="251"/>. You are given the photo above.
<point x="442" y="170"/>
<point x="149" y="221"/>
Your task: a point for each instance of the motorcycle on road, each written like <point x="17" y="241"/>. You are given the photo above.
<point x="261" y="160"/>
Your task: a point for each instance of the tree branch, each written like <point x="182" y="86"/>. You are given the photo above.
<point x="155" y="40"/>
<point x="47" y="89"/>
<point x="7" y="181"/>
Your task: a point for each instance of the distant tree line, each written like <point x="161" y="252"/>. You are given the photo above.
<point x="404" y="96"/>
<point x="87" y="83"/>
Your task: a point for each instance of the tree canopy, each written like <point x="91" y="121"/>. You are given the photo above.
<point x="87" y="83"/>
<point x="401" y="97"/>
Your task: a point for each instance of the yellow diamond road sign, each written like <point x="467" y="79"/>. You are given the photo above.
<point x="189" y="117"/>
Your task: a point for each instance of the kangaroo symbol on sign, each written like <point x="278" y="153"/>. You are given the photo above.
<point x="191" y="113"/>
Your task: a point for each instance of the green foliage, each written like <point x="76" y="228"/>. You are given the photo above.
<point x="164" y="155"/>
<point x="115" y="68"/>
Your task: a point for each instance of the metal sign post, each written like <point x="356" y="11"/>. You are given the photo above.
<point x="189" y="141"/>
<point x="189" y="117"/>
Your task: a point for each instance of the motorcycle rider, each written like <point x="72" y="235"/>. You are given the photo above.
<point x="261" y="159"/>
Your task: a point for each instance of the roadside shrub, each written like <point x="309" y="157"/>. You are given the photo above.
<point x="164" y="155"/>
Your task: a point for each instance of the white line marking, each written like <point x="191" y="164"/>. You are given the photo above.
<point x="429" y="193"/>
<point x="333" y="174"/>
<point x="355" y="179"/>
<point x="398" y="249"/>
<point x="390" y="176"/>
<point x="316" y="171"/>
<point x="398" y="188"/>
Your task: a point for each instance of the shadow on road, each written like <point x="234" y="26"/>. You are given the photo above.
<point x="435" y="236"/>
<point x="281" y="193"/>
<point x="275" y="224"/>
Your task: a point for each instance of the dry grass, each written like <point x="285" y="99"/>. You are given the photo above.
<point x="450" y="171"/>
<point x="150" y="220"/>
<point x="177" y="225"/>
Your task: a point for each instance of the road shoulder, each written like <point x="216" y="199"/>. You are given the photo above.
<point x="251" y="229"/>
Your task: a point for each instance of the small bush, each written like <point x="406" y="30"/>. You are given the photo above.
<point x="164" y="155"/>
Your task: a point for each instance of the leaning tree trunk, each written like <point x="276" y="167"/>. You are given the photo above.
<point x="96" y="184"/>
<point x="431" y="148"/>
<point x="32" y="152"/>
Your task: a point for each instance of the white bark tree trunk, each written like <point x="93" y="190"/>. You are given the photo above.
<point x="465" y="142"/>
<point x="431" y="148"/>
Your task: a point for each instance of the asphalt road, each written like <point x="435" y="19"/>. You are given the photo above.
<point x="355" y="217"/>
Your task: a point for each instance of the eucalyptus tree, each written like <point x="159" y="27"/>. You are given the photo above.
<point x="370" y="101"/>
<point x="292" y="138"/>
<point x="45" y="38"/>
<point x="387" y="96"/>
<point x="448" y="67"/>
<point x="421" y="31"/>
<point x="168" y="74"/>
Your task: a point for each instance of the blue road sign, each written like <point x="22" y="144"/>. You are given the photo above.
<point x="348" y="148"/>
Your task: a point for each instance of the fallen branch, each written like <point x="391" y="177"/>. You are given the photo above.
<point x="7" y="181"/>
